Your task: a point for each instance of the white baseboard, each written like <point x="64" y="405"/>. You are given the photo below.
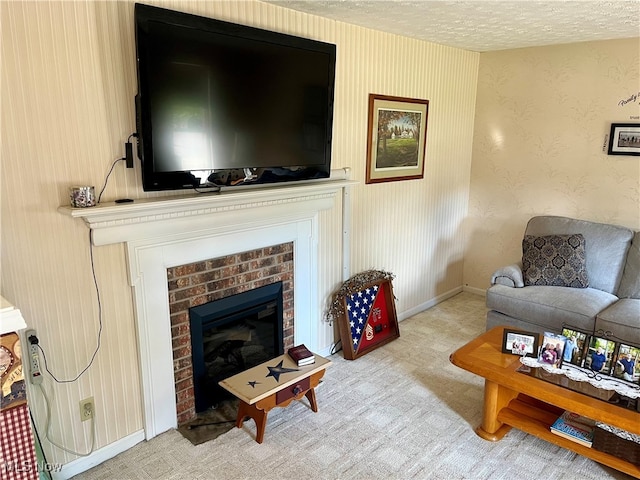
<point x="476" y="291"/>
<point x="423" y="306"/>
<point x="105" y="453"/>
<point x="440" y="298"/>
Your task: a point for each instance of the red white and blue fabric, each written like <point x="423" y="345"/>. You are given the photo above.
<point x="359" y="306"/>
<point x="366" y="309"/>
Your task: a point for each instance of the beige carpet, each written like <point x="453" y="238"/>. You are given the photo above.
<point x="401" y="412"/>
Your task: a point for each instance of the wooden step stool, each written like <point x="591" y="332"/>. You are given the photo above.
<point x="271" y="384"/>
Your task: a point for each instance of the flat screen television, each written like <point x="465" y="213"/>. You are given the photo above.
<point x="222" y="104"/>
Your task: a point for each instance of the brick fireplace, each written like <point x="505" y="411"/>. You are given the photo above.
<point x="169" y="232"/>
<point x="204" y="281"/>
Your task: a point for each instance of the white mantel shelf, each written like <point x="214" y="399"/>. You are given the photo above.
<point x="151" y="217"/>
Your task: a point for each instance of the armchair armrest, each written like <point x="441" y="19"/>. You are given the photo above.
<point x="510" y="276"/>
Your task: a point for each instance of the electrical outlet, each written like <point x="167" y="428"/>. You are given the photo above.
<point x="86" y="409"/>
<point x="35" y="373"/>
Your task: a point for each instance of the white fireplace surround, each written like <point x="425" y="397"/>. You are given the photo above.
<point x="167" y="232"/>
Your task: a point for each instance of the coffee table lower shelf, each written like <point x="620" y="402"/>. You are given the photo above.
<point x="523" y="414"/>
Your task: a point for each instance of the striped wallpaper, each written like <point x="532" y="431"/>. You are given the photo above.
<point x="68" y="81"/>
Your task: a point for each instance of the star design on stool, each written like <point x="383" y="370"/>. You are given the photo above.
<point x="253" y="383"/>
<point x="278" y="370"/>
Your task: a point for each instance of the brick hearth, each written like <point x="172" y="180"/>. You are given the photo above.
<point x="202" y="282"/>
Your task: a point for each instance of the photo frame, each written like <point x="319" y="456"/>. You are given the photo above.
<point x="575" y="346"/>
<point x="599" y="355"/>
<point x="552" y="349"/>
<point x="369" y="319"/>
<point x="396" y="139"/>
<point x="626" y="363"/>
<point x="624" y="139"/>
<point x="517" y="342"/>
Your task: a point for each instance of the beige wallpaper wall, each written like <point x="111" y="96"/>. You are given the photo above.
<point x="68" y="81"/>
<point x="542" y="119"/>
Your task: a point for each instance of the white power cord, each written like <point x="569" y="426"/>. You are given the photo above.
<point x="48" y="426"/>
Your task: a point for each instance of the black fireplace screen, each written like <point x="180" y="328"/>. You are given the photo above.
<point x="231" y="335"/>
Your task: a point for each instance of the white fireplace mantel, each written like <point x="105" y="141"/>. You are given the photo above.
<point x="171" y="231"/>
<point x="150" y="217"/>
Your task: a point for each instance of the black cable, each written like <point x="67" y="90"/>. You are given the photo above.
<point x="133" y="135"/>
<point x="95" y="283"/>
<point x="335" y="348"/>
<point x="107" y="178"/>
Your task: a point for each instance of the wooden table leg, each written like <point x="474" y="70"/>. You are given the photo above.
<point x="259" y="417"/>
<point x="496" y="397"/>
<point x="311" y="396"/>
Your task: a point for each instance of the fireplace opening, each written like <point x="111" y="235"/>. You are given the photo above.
<point x="233" y="334"/>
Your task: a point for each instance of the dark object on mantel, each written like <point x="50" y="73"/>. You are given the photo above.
<point x="609" y="396"/>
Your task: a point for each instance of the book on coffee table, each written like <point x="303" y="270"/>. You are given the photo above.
<point x="301" y="355"/>
<point x="574" y="427"/>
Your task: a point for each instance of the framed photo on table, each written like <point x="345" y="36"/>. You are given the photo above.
<point x="624" y="139"/>
<point x="397" y="137"/>
<point x="517" y="342"/>
<point x="552" y="349"/>
<point x="368" y="320"/>
<point x="626" y="364"/>
<point x="599" y="356"/>
<point x="575" y="346"/>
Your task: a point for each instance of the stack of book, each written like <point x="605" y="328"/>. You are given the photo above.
<point x="575" y="427"/>
<point x="301" y="355"/>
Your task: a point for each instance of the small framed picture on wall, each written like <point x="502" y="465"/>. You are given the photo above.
<point x="624" y="139"/>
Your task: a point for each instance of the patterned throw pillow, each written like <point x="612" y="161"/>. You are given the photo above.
<point x="554" y="260"/>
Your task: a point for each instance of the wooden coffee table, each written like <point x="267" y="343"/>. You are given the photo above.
<point x="271" y="384"/>
<point x="514" y="399"/>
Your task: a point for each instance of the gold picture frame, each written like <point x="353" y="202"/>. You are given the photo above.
<point x="397" y="138"/>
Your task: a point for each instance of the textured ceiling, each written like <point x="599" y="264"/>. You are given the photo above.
<point x="485" y="25"/>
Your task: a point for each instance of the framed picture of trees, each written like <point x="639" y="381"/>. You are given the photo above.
<point x="397" y="138"/>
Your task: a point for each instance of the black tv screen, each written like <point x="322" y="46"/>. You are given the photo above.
<point x="226" y="104"/>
